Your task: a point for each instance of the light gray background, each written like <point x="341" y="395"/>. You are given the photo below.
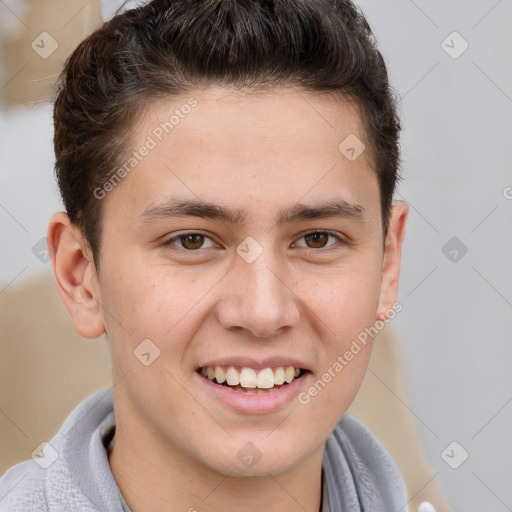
<point x="457" y="150"/>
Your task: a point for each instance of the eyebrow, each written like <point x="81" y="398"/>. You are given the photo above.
<point x="296" y="212"/>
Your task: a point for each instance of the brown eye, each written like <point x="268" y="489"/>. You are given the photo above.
<point x="191" y="242"/>
<point x="319" y="240"/>
<point x="316" y="240"/>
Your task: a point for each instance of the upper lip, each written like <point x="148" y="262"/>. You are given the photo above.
<point x="256" y="364"/>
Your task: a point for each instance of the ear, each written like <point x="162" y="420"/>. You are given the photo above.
<point x="392" y="259"/>
<point x="75" y="275"/>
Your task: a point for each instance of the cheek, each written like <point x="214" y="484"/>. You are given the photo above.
<point x="155" y="302"/>
<point x="346" y="305"/>
<point x="345" y="300"/>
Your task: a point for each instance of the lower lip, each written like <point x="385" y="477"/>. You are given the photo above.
<point x="254" y="403"/>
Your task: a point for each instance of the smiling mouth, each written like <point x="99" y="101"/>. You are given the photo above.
<point x="249" y="380"/>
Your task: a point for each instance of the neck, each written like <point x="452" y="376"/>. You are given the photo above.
<point x="152" y="477"/>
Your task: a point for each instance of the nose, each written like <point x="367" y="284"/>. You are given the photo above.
<point x="257" y="299"/>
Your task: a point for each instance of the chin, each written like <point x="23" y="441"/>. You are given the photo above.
<point x="245" y="459"/>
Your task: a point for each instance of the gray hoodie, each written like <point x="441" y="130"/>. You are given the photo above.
<point x="73" y="473"/>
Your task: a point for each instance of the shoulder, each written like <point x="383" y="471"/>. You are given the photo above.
<point x="27" y="487"/>
<point x="72" y="472"/>
<point x="368" y="447"/>
<point x="376" y="475"/>
<point x="22" y="488"/>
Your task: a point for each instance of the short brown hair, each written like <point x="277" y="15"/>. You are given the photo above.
<point x="170" y="47"/>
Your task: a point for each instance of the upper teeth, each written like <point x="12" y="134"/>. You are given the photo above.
<point x="248" y="378"/>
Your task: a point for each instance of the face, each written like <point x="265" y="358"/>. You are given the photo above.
<point x="243" y="243"/>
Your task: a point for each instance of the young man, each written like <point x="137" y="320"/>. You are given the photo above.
<point x="227" y="169"/>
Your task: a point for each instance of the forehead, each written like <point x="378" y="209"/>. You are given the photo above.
<point x="254" y="149"/>
<point x="273" y="116"/>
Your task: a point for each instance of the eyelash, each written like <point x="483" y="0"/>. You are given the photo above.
<point x="339" y="239"/>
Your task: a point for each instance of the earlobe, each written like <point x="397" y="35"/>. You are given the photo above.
<point x="75" y="276"/>
<point x="392" y="259"/>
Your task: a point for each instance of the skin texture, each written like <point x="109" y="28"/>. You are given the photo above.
<point x="261" y="153"/>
